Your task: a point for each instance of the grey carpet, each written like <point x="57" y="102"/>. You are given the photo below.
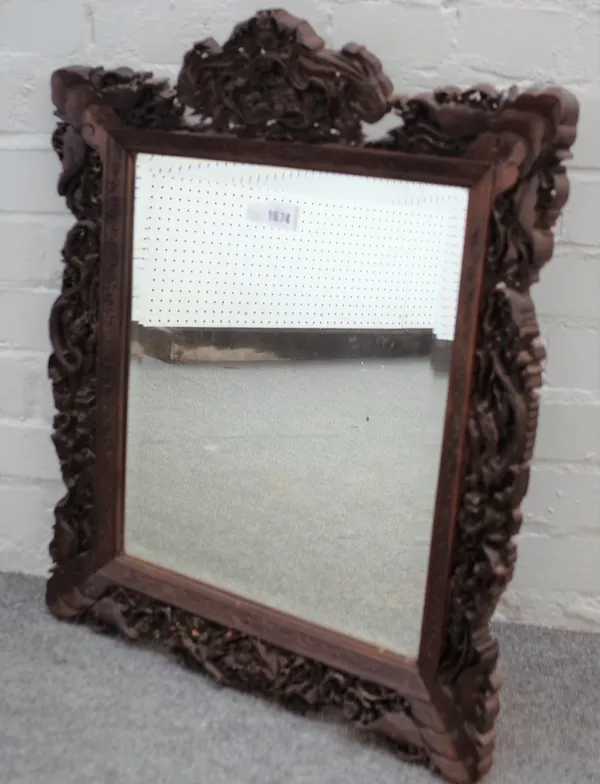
<point x="78" y="707"/>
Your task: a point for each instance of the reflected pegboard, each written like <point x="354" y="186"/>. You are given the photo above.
<point x="234" y="245"/>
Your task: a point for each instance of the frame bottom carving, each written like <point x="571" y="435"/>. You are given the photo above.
<point x="410" y="726"/>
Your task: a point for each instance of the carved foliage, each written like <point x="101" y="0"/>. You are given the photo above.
<point x="504" y="400"/>
<point x="234" y="658"/>
<point x="139" y="101"/>
<point x="274" y="79"/>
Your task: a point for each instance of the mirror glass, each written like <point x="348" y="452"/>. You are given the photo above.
<point x="290" y="341"/>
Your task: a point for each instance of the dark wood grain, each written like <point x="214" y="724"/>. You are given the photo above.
<point x="456" y="421"/>
<point x="273" y="94"/>
<point x="368" y="162"/>
<point x="113" y="347"/>
<point x="302" y="637"/>
<point x="504" y="396"/>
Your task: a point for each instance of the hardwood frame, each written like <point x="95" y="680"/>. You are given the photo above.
<point x="273" y="81"/>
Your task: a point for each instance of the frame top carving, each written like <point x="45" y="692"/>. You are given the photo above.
<point x="274" y="79"/>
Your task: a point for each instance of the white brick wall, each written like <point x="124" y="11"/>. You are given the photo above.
<point x="422" y="43"/>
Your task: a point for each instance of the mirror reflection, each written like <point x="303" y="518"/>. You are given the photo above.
<point x="290" y="342"/>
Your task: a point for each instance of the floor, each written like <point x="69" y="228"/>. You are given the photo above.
<point x="78" y="708"/>
<point x="307" y="486"/>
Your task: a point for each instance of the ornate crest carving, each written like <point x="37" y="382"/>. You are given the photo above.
<point x="275" y="79"/>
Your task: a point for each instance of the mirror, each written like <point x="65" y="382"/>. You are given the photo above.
<point x="290" y="340"/>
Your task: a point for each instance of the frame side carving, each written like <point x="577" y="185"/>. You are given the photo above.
<point x="274" y="79"/>
<point x="78" y="141"/>
<point x="508" y="369"/>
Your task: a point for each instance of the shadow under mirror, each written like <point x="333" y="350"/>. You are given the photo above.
<point x="290" y="344"/>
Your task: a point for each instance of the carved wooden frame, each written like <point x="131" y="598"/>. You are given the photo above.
<point x="274" y="80"/>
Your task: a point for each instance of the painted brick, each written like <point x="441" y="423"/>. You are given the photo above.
<point x="563" y="500"/>
<point x="20" y="379"/>
<point x="144" y="41"/>
<point x="586" y="150"/>
<point x="581" y="224"/>
<point x="27" y="452"/>
<point x="584" y="611"/>
<point x="32" y="559"/>
<point x="43" y="401"/>
<point x="547" y="565"/>
<point x="21" y="505"/>
<point x="26" y="525"/>
<point x="28" y="182"/>
<point x="46" y="28"/>
<point x="524" y="43"/>
<point x="566" y="609"/>
<point x="569" y="433"/>
<point x="24" y="319"/>
<point x="573" y="357"/>
<point x="25" y="91"/>
<point x="31" y="253"/>
<point x="390" y="34"/>
<point x="24" y="94"/>
<point x="143" y="38"/>
<point x="569" y="285"/>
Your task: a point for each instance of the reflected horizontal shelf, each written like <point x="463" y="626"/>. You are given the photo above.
<point x="199" y="346"/>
